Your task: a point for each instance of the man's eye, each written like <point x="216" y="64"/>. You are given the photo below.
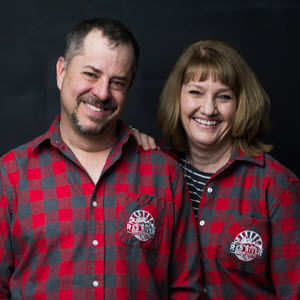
<point x="118" y="85"/>
<point x="116" y="82"/>
<point x="89" y="74"/>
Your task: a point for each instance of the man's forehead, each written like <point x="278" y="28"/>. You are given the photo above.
<point x="96" y="41"/>
<point x="97" y="36"/>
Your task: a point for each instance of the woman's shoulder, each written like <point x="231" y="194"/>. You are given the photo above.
<point x="265" y="170"/>
<point x="277" y="168"/>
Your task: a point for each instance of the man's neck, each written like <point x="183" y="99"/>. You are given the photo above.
<point x="87" y="143"/>
<point x="91" y="151"/>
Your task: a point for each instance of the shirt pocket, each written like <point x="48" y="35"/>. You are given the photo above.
<point x="140" y="220"/>
<point x="245" y="244"/>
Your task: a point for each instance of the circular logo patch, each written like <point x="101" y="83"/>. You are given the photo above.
<point x="247" y="245"/>
<point x="141" y="225"/>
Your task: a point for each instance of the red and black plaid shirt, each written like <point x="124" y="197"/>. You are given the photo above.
<point x="130" y="236"/>
<point x="249" y="228"/>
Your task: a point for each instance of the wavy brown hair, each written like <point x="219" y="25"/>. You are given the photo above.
<point x="223" y="63"/>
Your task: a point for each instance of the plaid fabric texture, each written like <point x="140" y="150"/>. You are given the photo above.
<point x="132" y="236"/>
<point x="249" y="228"/>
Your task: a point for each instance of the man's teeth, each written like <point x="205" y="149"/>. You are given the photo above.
<point x="94" y="108"/>
<point x="206" y="122"/>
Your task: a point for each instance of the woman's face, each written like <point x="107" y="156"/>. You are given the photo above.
<point x="207" y="111"/>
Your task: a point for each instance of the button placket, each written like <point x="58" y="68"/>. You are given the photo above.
<point x="210" y="190"/>
<point x="95" y="283"/>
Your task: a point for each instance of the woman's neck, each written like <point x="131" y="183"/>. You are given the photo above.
<point x="209" y="161"/>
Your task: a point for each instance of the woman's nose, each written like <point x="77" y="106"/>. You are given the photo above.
<point x="208" y="106"/>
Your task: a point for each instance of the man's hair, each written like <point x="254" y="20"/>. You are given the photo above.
<point x="223" y="63"/>
<point x="113" y="30"/>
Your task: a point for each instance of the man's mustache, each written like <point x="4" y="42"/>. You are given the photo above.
<point x="94" y="100"/>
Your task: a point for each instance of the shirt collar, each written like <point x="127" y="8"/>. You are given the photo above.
<point x="124" y="134"/>
<point x="239" y="155"/>
<point x="51" y="136"/>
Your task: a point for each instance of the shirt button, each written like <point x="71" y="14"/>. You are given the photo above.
<point x="204" y="290"/>
<point x="95" y="283"/>
<point x="210" y="190"/>
<point x="94" y="203"/>
<point x="202" y="223"/>
<point x="95" y="242"/>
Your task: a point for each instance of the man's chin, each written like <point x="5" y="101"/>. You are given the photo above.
<point x="92" y="129"/>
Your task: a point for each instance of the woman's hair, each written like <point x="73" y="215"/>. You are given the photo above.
<point x="217" y="59"/>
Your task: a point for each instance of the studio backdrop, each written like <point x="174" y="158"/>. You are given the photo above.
<point x="265" y="32"/>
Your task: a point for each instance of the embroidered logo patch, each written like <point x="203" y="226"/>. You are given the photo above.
<point x="247" y="245"/>
<point x="141" y="225"/>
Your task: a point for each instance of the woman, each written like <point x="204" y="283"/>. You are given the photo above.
<point x="213" y="112"/>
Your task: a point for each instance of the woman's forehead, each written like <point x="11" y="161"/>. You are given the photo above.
<point x="200" y="73"/>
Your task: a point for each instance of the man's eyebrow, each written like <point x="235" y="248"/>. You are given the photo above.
<point x="121" y="77"/>
<point x="93" y="68"/>
<point x="125" y="78"/>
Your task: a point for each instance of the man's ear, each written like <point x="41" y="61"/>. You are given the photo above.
<point x="60" y="71"/>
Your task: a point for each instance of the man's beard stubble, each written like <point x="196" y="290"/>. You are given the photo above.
<point x="105" y="104"/>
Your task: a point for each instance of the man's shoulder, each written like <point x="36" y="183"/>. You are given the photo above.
<point x="21" y="152"/>
<point x="27" y="149"/>
<point x="158" y="157"/>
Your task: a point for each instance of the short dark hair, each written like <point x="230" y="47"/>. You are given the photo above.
<point x="115" y="31"/>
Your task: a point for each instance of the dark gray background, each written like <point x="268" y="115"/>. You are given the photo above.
<point x="265" y="32"/>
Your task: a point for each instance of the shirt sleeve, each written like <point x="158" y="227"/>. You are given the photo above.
<point x="184" y="272"/>
<point x="6" y="255"/>
<point x="285" y="243"/>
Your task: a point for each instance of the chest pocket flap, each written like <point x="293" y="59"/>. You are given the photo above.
<point x="245" y="244"/>
<point x="140" y="220"/>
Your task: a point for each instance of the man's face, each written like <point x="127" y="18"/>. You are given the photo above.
<point x="94" y="86"/>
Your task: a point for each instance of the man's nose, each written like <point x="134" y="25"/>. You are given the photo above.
<point x="102" y="89"/>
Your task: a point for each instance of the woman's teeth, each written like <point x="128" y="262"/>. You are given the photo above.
<point x="206" y="122"/>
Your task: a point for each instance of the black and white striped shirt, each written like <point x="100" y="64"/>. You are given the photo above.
<point x="195" y="180"/>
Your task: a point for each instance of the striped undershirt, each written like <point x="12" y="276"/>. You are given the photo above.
<point x="195" y="180"/>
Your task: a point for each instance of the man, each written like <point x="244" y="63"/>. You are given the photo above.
<point x="84" y="212"/>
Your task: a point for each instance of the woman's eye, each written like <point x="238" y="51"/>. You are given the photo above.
<point x="194" y="92"/>
<point x="225" y="97"/>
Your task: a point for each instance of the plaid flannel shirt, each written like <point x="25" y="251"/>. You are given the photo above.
<point x="249" y="228"/>
<point x="130" y="236"/>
